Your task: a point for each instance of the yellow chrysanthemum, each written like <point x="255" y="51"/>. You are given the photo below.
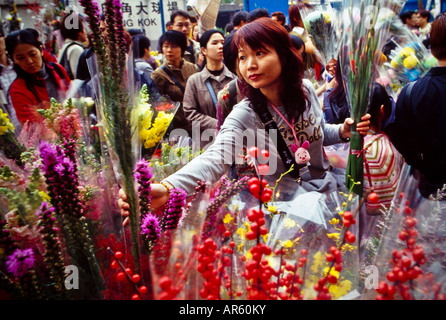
<point x="410" y="62"/>
<point x="340" y="289"/>
<point x="5" y="124"/>
<point x="407" y="51"/>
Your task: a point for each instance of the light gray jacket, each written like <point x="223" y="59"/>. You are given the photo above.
<point x="197" y="102"/>
<point x="243" y="127"/>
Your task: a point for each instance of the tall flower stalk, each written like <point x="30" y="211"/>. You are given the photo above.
<point x="63" y="188"/>
<point x="359" y="55"/>
<point x="115" y="108"/>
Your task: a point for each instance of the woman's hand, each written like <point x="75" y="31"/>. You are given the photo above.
<point x="159" y="195"/>
<point x="362" y="127"/>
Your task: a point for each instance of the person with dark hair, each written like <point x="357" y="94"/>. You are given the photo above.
<point x="422" y="18"/>
<point x="37" y="81"/>
<point x="200" y="97"/>
<point x="135" y="32"/>
<point x="74" y="34"/>
<point x="257" y="13"/>
<point x="298" y="29"/>
<point x="408" y="18"/>
<point x="171" y="77"/>
<point x="279" y="17"/>
<point x="278" y="100"/>
<point x="181" y="21"/>
<point x="141" y="54"/>
<point x="229" y="28"/>
<point x="418" y="129"/>
<point x="334" y="104"/>
<point x="239" y="19"/>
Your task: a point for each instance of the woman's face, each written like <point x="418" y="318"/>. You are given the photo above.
<point x="214" y="48"/>
<point x="28" y="57"/>
<point x="261" y="68"/>
<point x="172" y="52"/>
<point x="195" y="32"/>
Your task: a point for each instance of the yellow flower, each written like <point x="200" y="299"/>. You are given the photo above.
<point x="333" y="236"/>
<point x="286" y="244"/>
<point x="272" y="209"/>
<point x="5" y="124"/>
<point x="348" y="247"/>
<point x="289" y="223"/>
<point x="340" y="289"/>
<point x="44" y="196"/>
<point x="318" y="262"/>
<point x="334" y="221"/>
<point x="228" y="218"/>
<point x="410" y="62"/>
<point x="406" y="52"/>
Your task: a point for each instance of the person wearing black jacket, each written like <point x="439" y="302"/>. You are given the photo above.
<point x="418" y="131"/>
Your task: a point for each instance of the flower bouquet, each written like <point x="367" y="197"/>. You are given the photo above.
<point x="321" y="24"/>
<point x="116" y="94"/>
<point x="151" y="119"/>
<point x="363" y="37"/>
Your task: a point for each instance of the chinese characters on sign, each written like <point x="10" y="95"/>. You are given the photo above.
<point x="146" y="15"/>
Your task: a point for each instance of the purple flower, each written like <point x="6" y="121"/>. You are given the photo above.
<point x="143" y="175"/>
<point x="49" y="155"/>
<point x="150" y="227"/>
<point x="20" y="262"/>
<point x="174" y="208"/>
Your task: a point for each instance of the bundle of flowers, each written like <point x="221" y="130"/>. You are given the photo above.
<point x="321" y="24"/>
<point x="9" y="143"/>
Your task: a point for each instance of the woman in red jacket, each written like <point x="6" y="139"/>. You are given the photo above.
<point x="37" y="80"/>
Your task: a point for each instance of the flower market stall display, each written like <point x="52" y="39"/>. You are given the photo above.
<point x="62" y="236"/>
<point x="409" y="250"/>
<point x="363" y="36"/>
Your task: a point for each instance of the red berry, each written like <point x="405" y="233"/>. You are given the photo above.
<point x="350" y="237"/>
<point x="114" y="264"/>
<point x="265" y="154"/>
<point x="373" y="197"/>
<point x="118" y="255"/>
<point x="253" y="152"/>
<point x="136" y="278"/>
<point x="332" y="279"/>
<point x="165" y="283"/>
<point x="403" y="235"/>
<point x="143" y="290"/>
<point x="263" y="169"/>
<point x="136" y="297"/>
<point x="418" y="254"/>
<point x="120" y="276"/>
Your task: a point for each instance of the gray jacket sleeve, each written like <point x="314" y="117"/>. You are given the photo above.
<point x="216" y="160"/>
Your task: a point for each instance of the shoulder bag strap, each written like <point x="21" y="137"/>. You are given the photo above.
<point x="284" y="152"/>
<point x="173" y="78"/>
<point x="212" y="92"/>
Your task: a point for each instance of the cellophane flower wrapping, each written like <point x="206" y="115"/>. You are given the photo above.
<point x="363" y="36"/>
<point x="322" y="26"/>
<point x="407" y="252"/>
<point x="408" y="61"/>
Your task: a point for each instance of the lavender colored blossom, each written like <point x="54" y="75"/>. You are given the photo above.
<point x="150" y="227"/>
<point x="20" y="262"/>
<point x="174" y="208"/>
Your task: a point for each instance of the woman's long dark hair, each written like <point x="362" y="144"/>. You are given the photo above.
<point x="266" y="32"/>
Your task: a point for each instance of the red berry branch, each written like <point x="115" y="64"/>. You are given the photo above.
<point x="406" y="264"/>
<point x="127" y="274"/>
